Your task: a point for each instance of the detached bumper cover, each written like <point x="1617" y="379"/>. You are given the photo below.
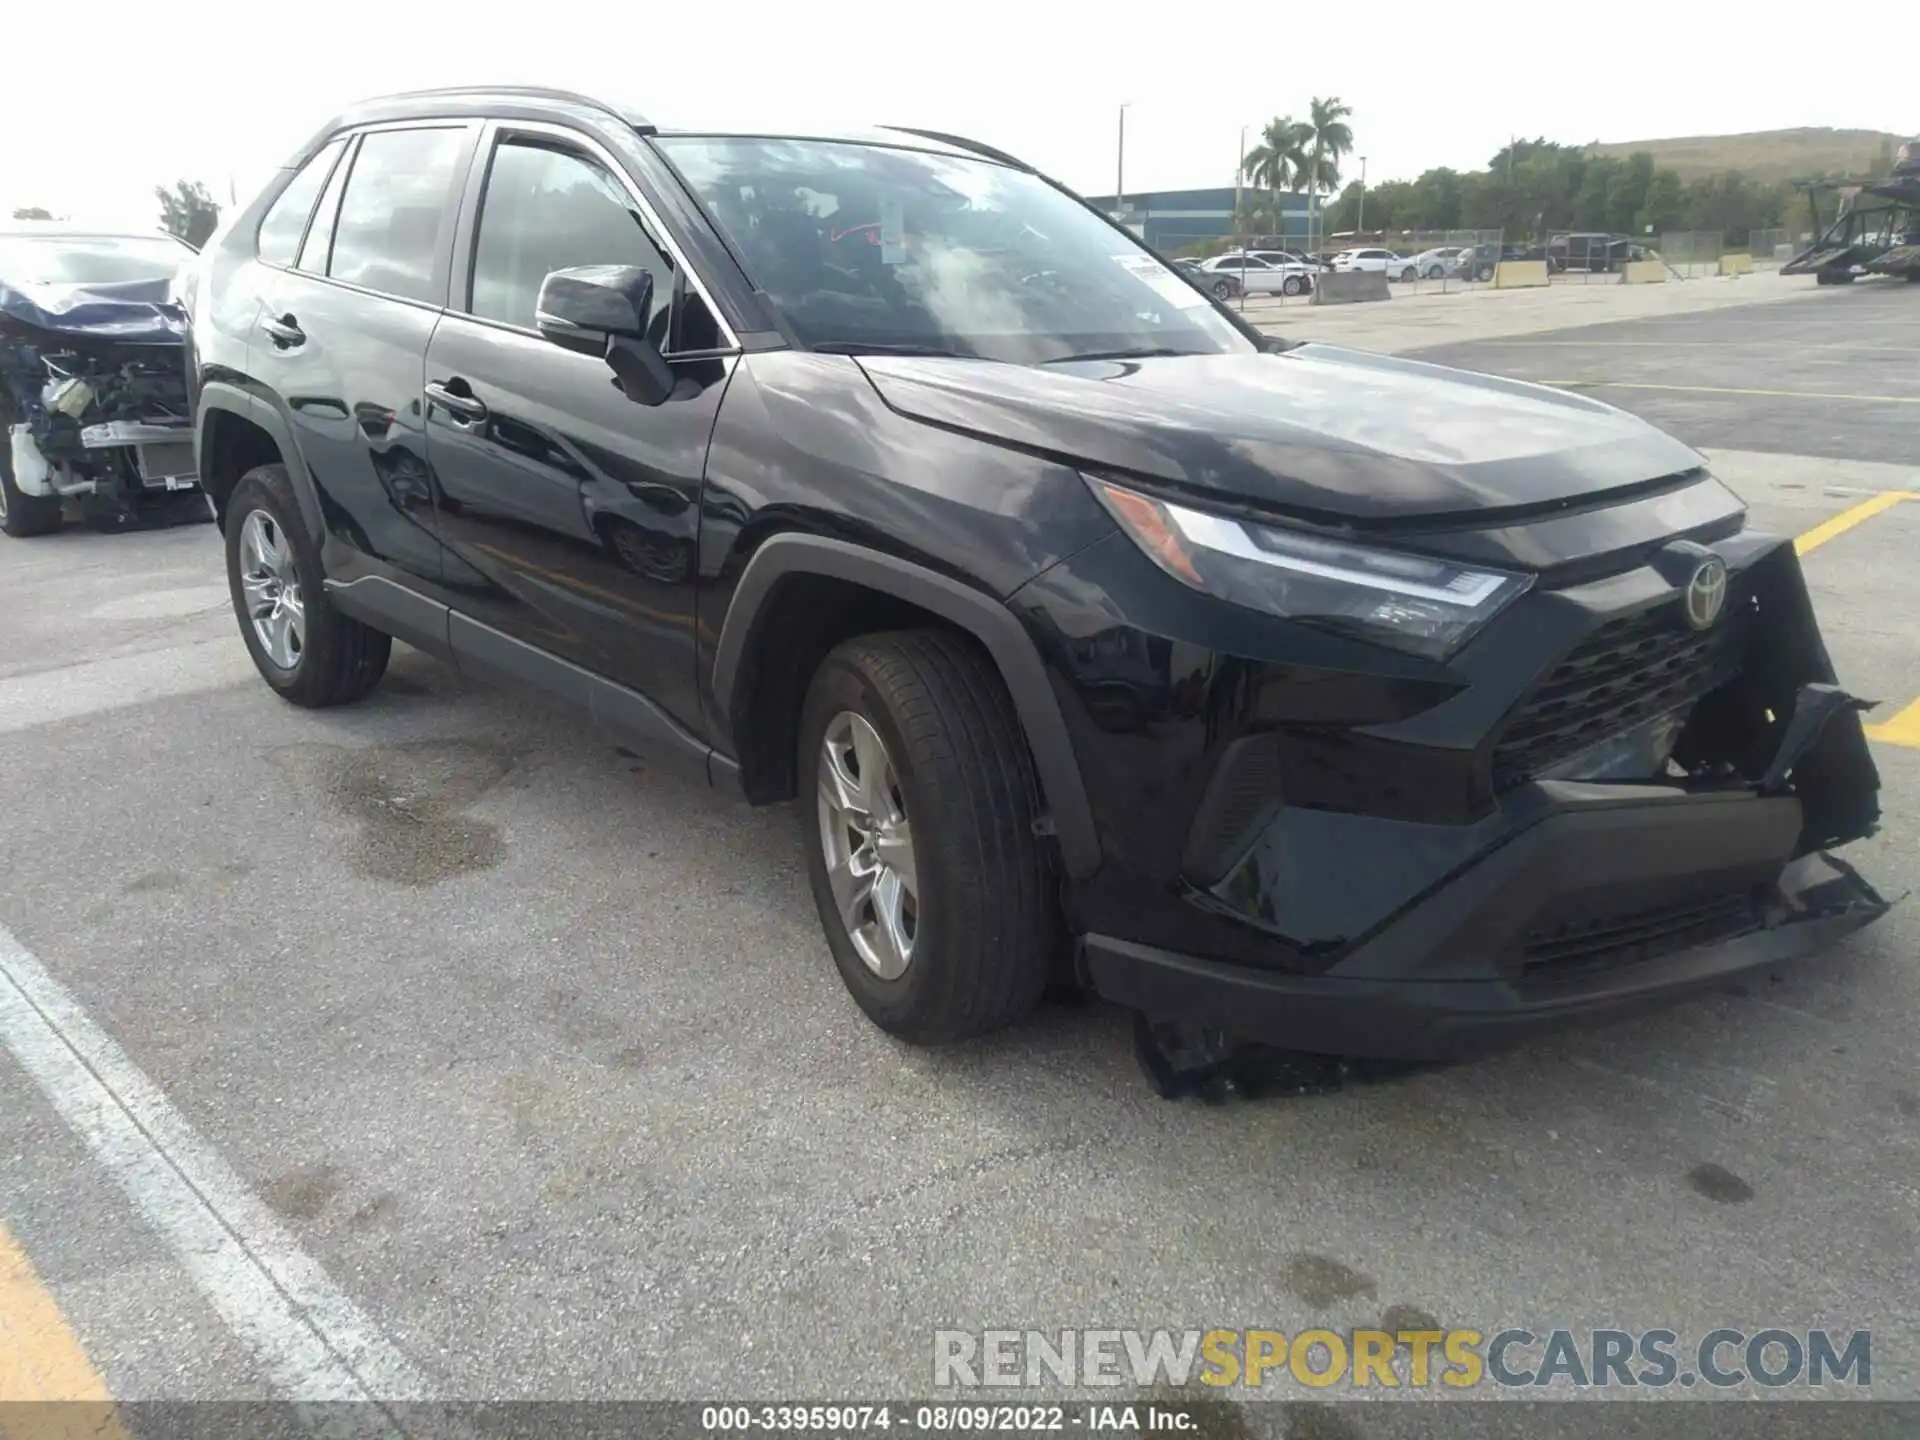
<point x="1821" y="902"/>
<point x="1602" y="910"/>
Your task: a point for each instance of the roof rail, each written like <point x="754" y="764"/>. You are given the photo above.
<point x="960" y="142"/>
<point x="531" y="92"/>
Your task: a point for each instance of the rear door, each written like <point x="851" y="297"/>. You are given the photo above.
<point x="1257" y="277"/>
<point x="570" y="513"/>
<point x="343" y="334"/>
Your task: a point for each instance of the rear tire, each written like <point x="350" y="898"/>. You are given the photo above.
<point x="336" y="659"/>
<point x="21" y="515"/>
<point x="1223" y="290"/>
<point x="953" y="779"/>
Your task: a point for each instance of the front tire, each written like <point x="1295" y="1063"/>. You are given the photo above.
<point x="937" y="898"/>
<point x="307" y="651"/>
<point x="1292" y="285"/>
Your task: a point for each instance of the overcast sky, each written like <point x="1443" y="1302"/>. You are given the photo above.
<point x="210" y="91"/>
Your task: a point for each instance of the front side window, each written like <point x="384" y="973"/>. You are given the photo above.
<point x="875" y="246"/>
<point x="286" y="218"/>
<point x="397" y="211"/>
<point x="547" y="209"/>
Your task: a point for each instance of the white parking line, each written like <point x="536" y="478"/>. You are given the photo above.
<point x="313" y="1343"/>
<point x="90" y="686"/>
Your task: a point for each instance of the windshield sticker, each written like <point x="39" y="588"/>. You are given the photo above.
<point x="893" y="233"/>
<point x="1164" y="283"/>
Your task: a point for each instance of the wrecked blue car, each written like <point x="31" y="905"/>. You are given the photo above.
<point x="93" y="391"/>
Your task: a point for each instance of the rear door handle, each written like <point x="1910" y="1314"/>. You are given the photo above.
<point x="285" y="331"/>
<point x="464" y="409"/>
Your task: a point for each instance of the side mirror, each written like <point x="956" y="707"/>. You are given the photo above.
<point x="603" y="310"/>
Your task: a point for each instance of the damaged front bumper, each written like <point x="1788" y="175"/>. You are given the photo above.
<point x="1575" y="899"/>
<point x="97" y="413"/>
<point x="1605" y="909"/>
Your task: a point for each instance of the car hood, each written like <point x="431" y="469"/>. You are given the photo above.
<point x="1317" y="431"/>
<point x="132" y="312"/>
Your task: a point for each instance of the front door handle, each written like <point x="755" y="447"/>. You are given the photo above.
<point x="286" y="331"/>
<point x="462" y="409"/>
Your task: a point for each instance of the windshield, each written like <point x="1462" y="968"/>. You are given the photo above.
<point x="89" y="259"/>
<point x="867" y="246"/>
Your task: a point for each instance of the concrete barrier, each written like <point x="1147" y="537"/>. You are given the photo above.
<point x="1344" y="287"/>
<point x="1520" y="274"/>
<point x="1736" y="264"/>
<point x="1643" y="272"/>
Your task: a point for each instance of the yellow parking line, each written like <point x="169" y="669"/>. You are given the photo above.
<point x="42" y="1363"/>
<point x="1902" y="729"/>
<point x="1848" y="518"/>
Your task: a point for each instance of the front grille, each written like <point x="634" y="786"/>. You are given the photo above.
<point x="1576" y="948"/>
<point x="1628" y="671"/>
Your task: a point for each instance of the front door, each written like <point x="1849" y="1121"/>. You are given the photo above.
<point x="570" y="513"/>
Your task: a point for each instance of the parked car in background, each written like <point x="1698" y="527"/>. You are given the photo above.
<point x="1440" y="263"/>
<point x="1477" y="262"/>
<point x="1394" y="266"/>
<point x="1263" y="277"/>
<point x="1293" y="257"/>
<point x="1221" y="284"/>
<point x="93" y="390"/>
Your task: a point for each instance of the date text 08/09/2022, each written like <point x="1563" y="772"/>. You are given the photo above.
<point x="961" y="1419"/>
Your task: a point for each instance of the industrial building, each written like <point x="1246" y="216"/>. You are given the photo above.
<point x="1169" y="220"/>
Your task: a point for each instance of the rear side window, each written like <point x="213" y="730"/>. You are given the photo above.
<point x="286" y="219"/>
<point x="397" y="211"/>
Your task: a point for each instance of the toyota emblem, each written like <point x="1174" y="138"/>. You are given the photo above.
<point x="1707" y="592"/>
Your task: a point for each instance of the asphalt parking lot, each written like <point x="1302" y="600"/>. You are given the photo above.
<point x="529" y="1066"/>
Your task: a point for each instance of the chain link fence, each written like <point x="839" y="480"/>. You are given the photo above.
<point x="1766" y="246"/>
<point x="1691" y="253"/>
<point x="1415" y="261"/>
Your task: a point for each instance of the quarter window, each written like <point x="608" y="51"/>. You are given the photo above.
<point x="398" y="207"/>
<point x="286" y="219"/>
<point x="319" y="242"/>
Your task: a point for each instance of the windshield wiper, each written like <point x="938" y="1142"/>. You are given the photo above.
<point x="878" y="347"/>
<point x="1140" y="352"/>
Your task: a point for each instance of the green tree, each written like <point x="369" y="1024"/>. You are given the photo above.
<point x="1328" y="140"/>
<point x="188" y="211"/>
<point x="1276" y="162"/>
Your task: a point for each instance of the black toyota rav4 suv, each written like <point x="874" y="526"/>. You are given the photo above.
<point x="1278" y="692"/>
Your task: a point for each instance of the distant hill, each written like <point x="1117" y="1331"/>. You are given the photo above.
<point x="1770" y="154"/>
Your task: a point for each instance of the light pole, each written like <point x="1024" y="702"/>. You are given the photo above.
<point x="1239" y="168"/>
<point x="1360" y="222"/>
<point x="1120" y="167"/>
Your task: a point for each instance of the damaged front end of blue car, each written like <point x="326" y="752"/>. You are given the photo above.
<point x="93" y="391"/>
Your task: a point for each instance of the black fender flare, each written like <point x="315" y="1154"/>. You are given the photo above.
<point x="224" y="395"/>
<point x="991" y="623"/>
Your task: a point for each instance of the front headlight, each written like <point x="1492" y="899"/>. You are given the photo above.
<point x="1410" y="602"/>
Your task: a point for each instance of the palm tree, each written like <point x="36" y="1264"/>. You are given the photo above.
<point x="1276" y="161"/>
<point x="1327" y="138"/>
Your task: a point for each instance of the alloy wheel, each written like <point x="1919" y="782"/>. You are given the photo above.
<point x="271" y="585"/>
<point x="868" y="845"/>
